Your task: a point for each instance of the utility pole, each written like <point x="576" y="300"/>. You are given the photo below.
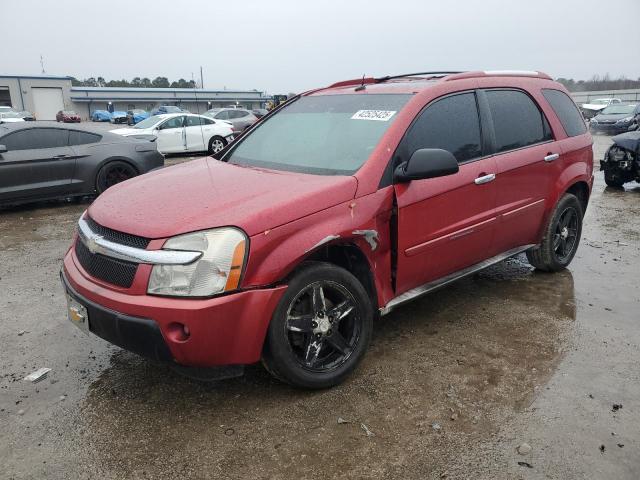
<point x="201" y="78"/>
<point x="42" y="63"/>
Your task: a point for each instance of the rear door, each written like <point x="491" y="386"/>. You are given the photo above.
<point x="195" y="134"/>
<point x="172" y="136"/>
<point x="526" y="158"/>
<point x="445" y="224"/>
<point x="38" y="163"/>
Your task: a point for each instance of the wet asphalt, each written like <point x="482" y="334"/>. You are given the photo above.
<point x="452" y="385"/>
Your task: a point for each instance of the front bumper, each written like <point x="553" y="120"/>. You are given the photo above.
<point x="608" y="128"/>
<point x="224" y="330"/>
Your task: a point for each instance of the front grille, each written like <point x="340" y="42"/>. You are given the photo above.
<point x="117" y="237"/>
<point x="111" y="270"/>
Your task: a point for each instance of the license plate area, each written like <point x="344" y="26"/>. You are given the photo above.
<point x="77" y="314"/>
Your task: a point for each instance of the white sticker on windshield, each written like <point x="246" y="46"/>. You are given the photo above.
<point x="379" y="115"/>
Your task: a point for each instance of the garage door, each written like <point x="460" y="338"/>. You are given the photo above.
<point x="47" y="102"/>
<point x="5" y="97"/>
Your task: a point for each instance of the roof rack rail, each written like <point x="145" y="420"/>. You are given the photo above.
<point x="432" y="74"/>
<point x="500" y="73"/>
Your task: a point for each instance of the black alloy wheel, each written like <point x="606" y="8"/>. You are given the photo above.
<point x="561" y="236"/>
<point x="322" y="326"/>
<point x="113" y="173"/>
<point x="565" y="235"/>
<point x="320" y="329"/>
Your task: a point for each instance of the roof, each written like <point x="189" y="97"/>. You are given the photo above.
<point x="39" y="77"/>
<point x="414" y="82"/>
<point x="197" y="91"/>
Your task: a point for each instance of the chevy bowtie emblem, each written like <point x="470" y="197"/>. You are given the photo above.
<point x="91" y="242"/>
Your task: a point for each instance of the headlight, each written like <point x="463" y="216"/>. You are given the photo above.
<point x="625" y="120"/>
<point x="217" y="270"/>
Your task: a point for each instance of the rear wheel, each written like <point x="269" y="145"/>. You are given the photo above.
<point x="216" y="144"/>
<point x="561" y="238"/>
<point x="112" y="173"/>
<point x="320" y="329"/>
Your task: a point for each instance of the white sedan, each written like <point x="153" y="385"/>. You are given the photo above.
<point x="10" y="117"/>
<point x="183" y="132"/>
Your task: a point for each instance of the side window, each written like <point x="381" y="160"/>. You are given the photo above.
<point x="567" y="112"/>
<point x="21" y="140"/>
<point x="175" y="122"/>
<point x="35" y="138"/>
<point x="452" y="124"/>
<point x="517" y="120"/>
<point x="193" y="122"/>
<point x="207" y="121"/>
<point x="83" y="138"/>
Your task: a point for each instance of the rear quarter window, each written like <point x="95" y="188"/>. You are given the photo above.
<point x="83" y="138"/>
<point x="566" y="110"/>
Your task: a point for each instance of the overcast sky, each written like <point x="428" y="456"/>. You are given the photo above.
<point x="282" y="46"/>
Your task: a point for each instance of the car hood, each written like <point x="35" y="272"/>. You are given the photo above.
<point x="613" y="116"/>
<point x="593" y="106"/>
<point x="207" y="193"/>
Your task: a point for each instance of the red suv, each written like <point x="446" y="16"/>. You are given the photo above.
<point x="336" y="207"/>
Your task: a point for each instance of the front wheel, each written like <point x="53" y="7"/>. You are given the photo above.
<point x="113" y="173"/>
<point x="561" y="238"/>
<point x="216" y="144"/>
<point x="612" y="178"/>
<point x="320" y="329"/>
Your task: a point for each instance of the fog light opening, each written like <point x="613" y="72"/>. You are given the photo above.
<point x="178" y="332"/>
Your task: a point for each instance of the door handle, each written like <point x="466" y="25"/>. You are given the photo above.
<point x="490" y="177"/>
<point x="551" y="157"/>
<point x="61" y="156"/>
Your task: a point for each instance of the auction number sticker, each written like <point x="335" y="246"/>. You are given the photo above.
<point x="379" y="115"/>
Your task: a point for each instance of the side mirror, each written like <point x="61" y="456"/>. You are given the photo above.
<point x="3" y="149"/>
<point x="426" y="163"/>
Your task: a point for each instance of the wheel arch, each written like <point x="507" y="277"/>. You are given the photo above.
<point x="349" y="256"/>
<point x="581" y="190"/>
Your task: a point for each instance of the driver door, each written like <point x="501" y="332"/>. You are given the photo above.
<point x="445" y="224"/>
<point x="172" y="136"/>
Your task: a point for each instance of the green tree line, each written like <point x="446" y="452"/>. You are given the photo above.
<point x="137" y="82"/>
<point x="599" y="83"/>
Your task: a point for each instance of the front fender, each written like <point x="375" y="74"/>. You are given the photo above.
<point x="275" y="253"/>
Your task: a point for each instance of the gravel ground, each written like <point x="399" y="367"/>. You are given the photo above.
<point x="453" y="384"/>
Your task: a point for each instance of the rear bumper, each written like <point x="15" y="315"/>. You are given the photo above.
<point x="225" y="330"/>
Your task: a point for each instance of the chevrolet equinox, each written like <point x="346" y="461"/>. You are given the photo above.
<point x="336" y="207"/>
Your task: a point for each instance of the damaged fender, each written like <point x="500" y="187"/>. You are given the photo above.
<point x="363" y="222"/>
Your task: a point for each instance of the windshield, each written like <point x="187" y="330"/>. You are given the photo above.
<point x="148" y="122"/>
<point x="325" y="135"/>
<point x="618" y="109"/>
<point x="170" y="109"/>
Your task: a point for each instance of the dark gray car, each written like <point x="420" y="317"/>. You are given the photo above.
<point x="240" y="118"/>
<point x="46" y="160"/>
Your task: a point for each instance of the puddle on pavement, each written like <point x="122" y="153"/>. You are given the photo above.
<point x="454" y="358"/>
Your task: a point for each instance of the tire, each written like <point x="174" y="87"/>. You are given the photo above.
<point x="561" y="237"/>
<point x="113" y="173"/>
<point x="304" y="347"/>
<point x="612" y="180"/>
<point x="216" y="144"/>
